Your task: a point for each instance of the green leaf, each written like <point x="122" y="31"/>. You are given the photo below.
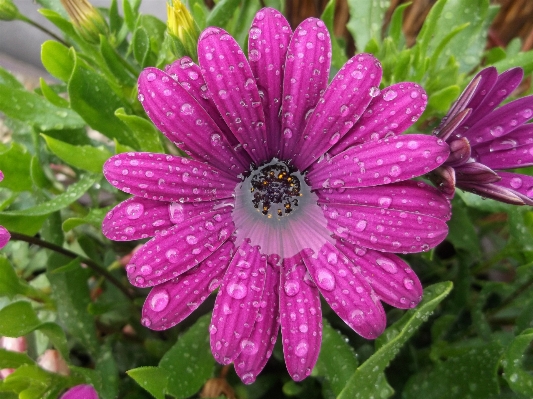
<point x="32" y="382"/>
<point x="189" y="363"/>
<point x="94" y="99"/>
<point x="10" y="283"/>
<point x="84" y="157"/>
<point x="471" y="374"/>
<point x="222" y="13"/>
<point x="38" y="176"/>
<point x="52" y="96"/>
<point x="36" y="110"/>
<point x="337" y="360"/>
<point x="146" y="134"/>
<point x="523" y="60"/>
<point x="152" y="379"/>
<point x="362" y="384"/>
<point x="57" y="60"/>
<point x="130" y="16"/>
<point x="15" y="164"/>
<point x="395" y="26"/>
<point x="462" y="233"/>
<point x="141" y="45"/>
<point x="442" y="99"/>
<point x="116" y="65"/>
<point x="338" y="57"/>
<point x="9" y="80"/>
<point x="518" y="379"/>
<point x="12" y="360"/>
<point x="94" y="218"/>
<point x="107" y="368"/>
<point x="366" y="20"/>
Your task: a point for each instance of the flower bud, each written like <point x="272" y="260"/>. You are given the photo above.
<point x="52" y="361"/>
<point x="8" y="10"/>
<point x="87" y="20"/>
<point x="181" y="27"/>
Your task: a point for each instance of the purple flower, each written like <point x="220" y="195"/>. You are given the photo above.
<point x="4" y="234"/>
<point x="292" y="188"/>
<point x="484" y="140"/>
<point x="80" y="392"/>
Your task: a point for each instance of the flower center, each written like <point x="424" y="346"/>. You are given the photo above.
<point x="275" y="188"/>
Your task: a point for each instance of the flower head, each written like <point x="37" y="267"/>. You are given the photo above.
<point x="81" y="392"/>
<point x="182" y="26"/>
<point x="293" y="188"/>
<point x="87" y="20"/>
<point x="485" y="140"/>
<point x="4" y="234"/>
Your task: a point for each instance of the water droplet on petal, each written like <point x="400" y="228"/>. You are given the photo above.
<point x="291" y="287"/>
<point x="146" y="322"/>
<point x="516" y="182"/>
<point x="361" y="225"/>
<point x="177" y="213"/>
<point x="159" y="301"/>
<point x="385" y="202"/>
<point x="356" y="317"/>
<point x="249" y="347"/>
<point x="146" y="270"/>
<point x="150" y="77"/>
<point x="390" y="95"/>
<point x="325" y="279"/>
<point x="223" y="94"/>
<point x="357" y="74"/>
<point x="191" y="239"/>
<point x="408" y="283"/>
<point x="388" y="265"/>
<point x="236" y="290"/>
<point x="374" y="91"/>
<point x="172" y="256"/>
<point x="187" y="109"/>
<point x="134" y="210"/>
<point x="301" y="349"/>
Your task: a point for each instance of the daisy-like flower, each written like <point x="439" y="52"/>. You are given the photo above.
<point x="4" y="234"/>
<point x="484" y="141"/>
<point x="292" y="188"/>
<point x="81" y="392"/>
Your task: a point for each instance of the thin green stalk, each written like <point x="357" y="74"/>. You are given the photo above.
<point x="43" y="29"/>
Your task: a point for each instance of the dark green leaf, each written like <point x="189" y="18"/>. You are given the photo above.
<point x="144" y="131"/>
<point x="15" y="164"/>
<point x="518" y="379"/>
<point x="94" y="218"/>
<point x="115" y="64"/>
<point x="222" y="13"/>
<point x="462" y="233"/>
<point x="153" y="379"/>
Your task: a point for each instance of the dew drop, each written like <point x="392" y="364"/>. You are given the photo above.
<point x="387" y="265"/>
<point x="177" y="213"/>
<point x="356" y="317"/>
<point x="287" y="133"/>
<point x="385" y="202"/>
<point x="159" y="301"/>
<point x="374" y="91"/>
<point x="150" y="77"/>
<point x="390" y="95"/>
<point x="291" y="287"/>
<point x="301" y="349"/>
<point x="172" y="256"/>
<point x="191" y="240"/>
<point x="325" y="279"/>
<point x="516" y="182"/>
<point x="249" y="347"/>
<point x="408" y="283"/>
<point x="146" y="322"/>
<point x="357" y="74"/>
<point x="146" y="270"/>
<point x="344" y="110"/>
<point x="361" y="225"/>
<point x="236" y="290"/>
<point x="187" y="109"/>
<point x="134" y="210"/>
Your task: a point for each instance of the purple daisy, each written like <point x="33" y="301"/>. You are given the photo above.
<point x="4" y="234"/>
<point x="81" y="392"/>
<point x="484" y="140"/>
<point x="292" y="188"/>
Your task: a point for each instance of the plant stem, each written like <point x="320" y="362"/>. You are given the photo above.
<point x="89" y="262"/>
<point x="43" y="29"/>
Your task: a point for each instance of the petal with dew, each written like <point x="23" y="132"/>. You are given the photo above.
<point x="521" y="136"/>
<point x="268" y="41"/>
<point x="345" y="99"/>
<point x="495" y="191"/>
<point x="387" y="230"/>
<point x="347" y="292"/>
<point x="521" y="184"/>
<point x="185" y="122"/>
<point x="237" y="303"/>
<point x="174" y="300"/>
<point x="407" y="196"/>
<point x="306" y="77"/>
<point x="516" y="157"/>
<point x="395" y="109"/>
<point x="375" y="163"/>
<point x="301" y="318"/>
<point x="234" y="90"/>
<point x="390" y="277"/>
<point x="257" y="349"/>
<point x="167" y="178"/>
<point x="189" y="76"/>
<point x="81" y="392"/>
<point x="182" y="247"/>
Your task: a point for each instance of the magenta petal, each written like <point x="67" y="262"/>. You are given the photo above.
<point x="347" y="292"/>
<point x="182" y="247"/>
<point x="521" y="136"/>
<point x="237" y="304"/>
<point x="306" y="77"/>
<point x="474" y="172"/>
<point x="516" y="157"/>
<point x="390" y="277"/>
<point x="495" y="191"/>
<point x="234" y="90"/>
<point x="4" y="237"/>
<point x="395" y="109"/>
<point x="136" y="218"/>
<point x="522" y="184"/>
<point x="408" y="196"/>
<point x="389" y="231"/>
<point x="81" y="392"/>
<point x="189" y="76"/>
<point x="267" y="49"/>
<point x="257" y="349"/>
<point x="177" y="114"/>
<point x="174" y="300"/>
<point x="375" y="163"/>
<point x="345" y="99"/>
<point x="301" y="318"/>
<point x="167" y="178"/>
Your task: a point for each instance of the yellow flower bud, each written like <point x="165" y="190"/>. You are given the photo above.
<point x="181" y="26"/>
<point x="87" y="20"/>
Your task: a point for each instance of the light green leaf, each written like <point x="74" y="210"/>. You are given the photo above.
<point x="146" y="134"/>
<point x="15" y="164"/>
<point x="362" y="384"/>
<point x="152" y="379"/>
<point x="523" y="60"/>
<point x="11" y="284"/>
<point x="116" y="65"/>
<point x="12" y="360"/>
<point x="442" y="99"/>
<point x="141" y="45"/>
<point x="7" y="79"/>
<point x="84" y="157"/>
<point x="94" y="218"/>
<point x="518" y="379"/>
<point x="222" y="13"/>
<point x="52" y="96"/>
<point x="189" y="363"/>
<point x="395" y="26"/>
<point x="57" y="59"/>
<point x="35" y="110"/>
<point x="366" y="19"/>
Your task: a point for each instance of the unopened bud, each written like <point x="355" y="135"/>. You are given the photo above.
<point x="80" y="391"/>
<point x="8" y="10"/>
<point x="52" y="361"/>
<point x="460" y="152"/>
<point x="181" y="27"/>
<point x="87" y="20"/>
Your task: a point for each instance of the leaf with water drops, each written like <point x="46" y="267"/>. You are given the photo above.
<point x="462" y="231"/>
<point x="362" y="384"/>
<point x="366" y="20"/>
<point x="153" y="379"/>
<point x="144" y="131"/>
<point x="516" y="376"/>
<point x="15" y="165"/>
<point x="337" y="360"/>
<point x="7" y="79"/>
<point x="189" y="362"/>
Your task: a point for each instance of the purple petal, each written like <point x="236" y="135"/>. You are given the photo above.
<point x="408" y="196"/>
<point x="460" y="152"/>
<point x="234" y="90"/>
<point x="380" y="162"/>
<point x="494" y="191"/>
<point x="189" y="76"/>
<point x="385" y="230"/>
<point x="257" y="349"/>
<point x="301" y="318"/>
<point x="237" y="304"/>
<point x="268" y="41"/>
<point x="167" y="178"/>
<point x="345" y="99"/>
<point x="177" y="114"/>
<point x="390" y="277"/>
<point x="81" y="392"/>
<point x="521" y="136"/>
<point x="474" y="172"/>
<point x="182" y="247"/>
<point x="174" y="300"/>
<point x="306" y="77"/>
<point x="489" y="95"/>
<point x="347" y="292"/>
<point x="395" y="109"/>
<point x="4" y="237"/>
<point x="516" y="157"/>
<point x="444" y="178"/>
<point x="521" y="184"/>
